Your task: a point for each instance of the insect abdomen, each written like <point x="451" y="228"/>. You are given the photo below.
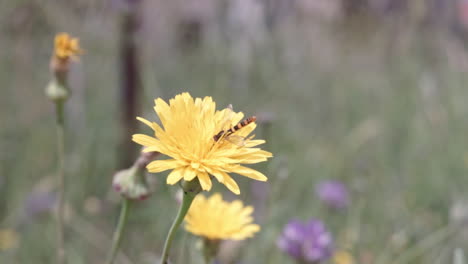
<point x="242" y="124"/>
<point x="233" y="129"/>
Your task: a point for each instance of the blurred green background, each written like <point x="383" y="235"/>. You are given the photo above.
<point x="373" y="93"/>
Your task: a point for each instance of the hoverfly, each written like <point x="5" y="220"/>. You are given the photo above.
<point x="228" y="134"/>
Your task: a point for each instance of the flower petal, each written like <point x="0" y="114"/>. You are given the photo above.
<point x="254" y="142"/>
<point x="162" y="109"/>
<point x="162" y="165"/>
<point x="230" y="183"/>
<point x="251" y="156"/>
<point x="189" y="173"/>
<point x="175" y="176"/>
<point x="145" y="140"/>
<point x="144" y="121"/>
<point x="205" y="180"/>
<point x="247" y="231"/>
<point x="250" y="173"/>
<point x="150" y="149"/>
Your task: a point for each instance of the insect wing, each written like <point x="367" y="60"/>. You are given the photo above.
<point x="226" y="123"/>
<point x="236" y="140"/>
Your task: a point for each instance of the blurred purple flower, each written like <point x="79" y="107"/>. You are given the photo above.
<point x="39" y="202"/>
<point x="333" y="193"/>
<point x="308" y="242"/>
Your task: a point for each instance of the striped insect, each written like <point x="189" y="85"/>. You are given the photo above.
<point x="228" y="134"/>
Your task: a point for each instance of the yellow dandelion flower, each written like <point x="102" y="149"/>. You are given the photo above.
<point x="66" y="47"/>
<point x="215" y="219"/>
<point x="343" y="257"/>
<point x="9" y="239"/>
<point x="191" y="135"/>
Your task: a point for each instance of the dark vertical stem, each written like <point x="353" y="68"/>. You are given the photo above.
<point x="60" y="210"/>
<point x="130" y="81"/>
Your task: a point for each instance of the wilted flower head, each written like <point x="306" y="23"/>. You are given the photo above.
<point x="215" y="219"/>
<point x="66" y="47"/>
<point x="187" y="135"/>
<point x="308" y="242"/>
<point x="333" y="193"/>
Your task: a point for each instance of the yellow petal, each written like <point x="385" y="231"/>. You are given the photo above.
<point x="189" y="173"/>
<point x="145" y="140"/>
<point x="253" y="143"/>
<point x="162" y="109"/>
<point x="144" y="121"/>
<point x="248" y="172"/>
<point x="230" y="183"/>
<point x="205" y="181"/>
<point x="175" y="176"/>
<point x="251" y="156"/>
<point x="150" y="149"/>
<point x="246" y="211"/>
<point x="162" y="165"/>
<point x="247" y="231"/>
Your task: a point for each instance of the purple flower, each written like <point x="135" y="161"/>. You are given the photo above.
<point x="39" y="202"/>
<point x="333" y="193"/>
<point x="308" y="242"/>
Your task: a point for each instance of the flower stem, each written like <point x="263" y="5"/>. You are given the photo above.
<point x="207" y="259"/>
<point x="60" y="212"/>
<point x="207" y="256"/>
<point x="119" y="231"/>
<point x="184" y="207"/>
<point x="210" y="249"/>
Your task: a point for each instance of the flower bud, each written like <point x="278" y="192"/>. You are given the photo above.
<point x="57" y="91"/>
<point x="66" y="48"/>
<point x="131" y="183"/>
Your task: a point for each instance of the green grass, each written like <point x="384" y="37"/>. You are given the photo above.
<point x="389" y="120"/>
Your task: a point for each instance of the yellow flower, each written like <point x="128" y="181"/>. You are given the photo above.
<point x="188" y="137"/>
<point x="66" y="47"/>
<point x="215" y="219"/>
<point x="343" y="257"/>
<point x="9" y="239"/>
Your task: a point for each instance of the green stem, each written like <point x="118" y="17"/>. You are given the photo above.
<point x="207" y="256"/>
<point x="207" y="259"/>
<point x="210" y="249"/>
<point x="119" y="231"/>
<point x="184" y="207"/>
<point x="60" y="213"/>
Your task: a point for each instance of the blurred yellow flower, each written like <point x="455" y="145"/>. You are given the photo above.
<point x="215" y="219"/>
<point x="66" y="47"/>
<point x="191" y="137"/>
<point x="343" y="257"/>
<point x="9" y="239"/>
